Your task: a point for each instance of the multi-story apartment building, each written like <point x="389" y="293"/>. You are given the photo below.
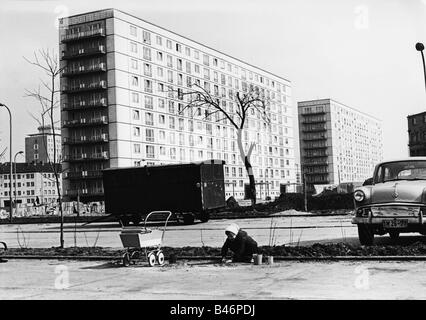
<point x="337" y="143"/>
<point x="31" y="183"/>
<point x="417" y="134"/>
<point x="39" y="146"/>
<point x="119" y="106"/>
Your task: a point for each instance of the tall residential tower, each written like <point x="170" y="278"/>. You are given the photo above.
<point x="119" y="110"/>
<point x="337" y="143"/>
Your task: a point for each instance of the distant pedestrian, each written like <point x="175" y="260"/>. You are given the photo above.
<point x="240" y="243"/>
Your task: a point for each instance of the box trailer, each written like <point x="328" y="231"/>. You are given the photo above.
<point x="191" y="190"/>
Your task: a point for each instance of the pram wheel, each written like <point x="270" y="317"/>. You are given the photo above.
<point x="126" y="260"/>
<point x="151" y="259"/>
<point x="160" y="258"/>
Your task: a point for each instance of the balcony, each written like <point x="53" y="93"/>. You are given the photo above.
<point x="85" y="139"/>
<point x="82" y="87"/>
<point x="307" y="121"/>
<point x="314" y="129"/>
<point x="314" y="138"/>
<point x="83" y="52"/>
<point x="69" y="72"/>
<point x="87" y="157"/>
<point x="85" y="104"/>
<point x="83" y="175"/>
<point x="317" y="155"/>
<point x="314" y="147"/>
<point x="316" y="112"/>
<point x="83" y="35"/>
<point x="83" y="122"/>
<point x="316" y="164"/>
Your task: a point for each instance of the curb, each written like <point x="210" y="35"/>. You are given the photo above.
<point x="276" y="258"/>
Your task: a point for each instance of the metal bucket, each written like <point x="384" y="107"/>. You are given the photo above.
<point x="257" y="259"/>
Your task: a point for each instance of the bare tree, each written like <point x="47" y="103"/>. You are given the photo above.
<point x="250" y="100"/>
<point x="48" y="99"/>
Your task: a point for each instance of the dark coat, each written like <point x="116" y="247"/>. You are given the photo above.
<point x="243" y="246"/>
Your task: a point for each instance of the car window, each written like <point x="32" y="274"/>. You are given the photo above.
<point x="401" y="170"/>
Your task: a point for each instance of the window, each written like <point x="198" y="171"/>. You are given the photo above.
<point x="206" y="59"/>
<point x="150" y="152"/>
<point x="178" y="47"/>
<point x="146" y="53"/>
<point x="197" y="68"/>
<point x="149" y="119"/>
<point x="169" y="61"/>
<point x="135" y="97"/>
<point x="148" y="85"/>
<point x="135" y="81"/>
<point x="187" y="51"/>
<point x="136" y="115"/>
<point x="134" y="64"/>
<point x="149" y="102"/>
<point x="149" y="135"/>
<point x="133" y="47"/>
<point x="147" y="69"/>
<point x="136" y="148"/>
<point x="159" y="71"/>
<point x="146" y="37"/>
<point x="161" y="103"/>
<point x="133" y="31"/>
<point x="136" y="131"/>
<point x="159" y="41"/>
<point x="171" y="122"/>
<point x="162" y="119"/>
<point x="169" y="44"/>
<point x="170" y="76"/>
<point x="159" y="56"/>
<point x="197" y="54"/>
<point x="188" y="66"/>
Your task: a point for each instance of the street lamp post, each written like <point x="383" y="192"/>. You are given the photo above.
<point x="10" y="159"/>
<point x="15" y="183"/>
<point x="420" y="47"/>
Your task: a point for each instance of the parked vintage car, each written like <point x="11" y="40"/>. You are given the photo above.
<point x="394" y="202"/>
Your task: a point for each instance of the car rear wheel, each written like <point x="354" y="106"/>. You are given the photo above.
<point x="365" y="235"/>
<point x="394" y="235"/>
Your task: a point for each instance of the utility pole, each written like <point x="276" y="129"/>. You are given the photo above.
<point x="10" y="159"/>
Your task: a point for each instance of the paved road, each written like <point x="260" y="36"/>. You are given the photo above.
<point x="284" y="230"/>
<point x="52" y="279"/>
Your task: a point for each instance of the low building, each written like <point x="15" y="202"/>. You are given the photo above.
<point x="417" y="134"/>
<point x="33" y="183"/>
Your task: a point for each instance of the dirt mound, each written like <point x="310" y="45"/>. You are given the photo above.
<point x="316" y="250"/>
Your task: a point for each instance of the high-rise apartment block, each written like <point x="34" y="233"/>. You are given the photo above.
<point x="39" y="147"/>
<point x="337" y="143"/>
<point x="119" y="106"/>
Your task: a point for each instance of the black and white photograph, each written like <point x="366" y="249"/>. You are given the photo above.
<point x="226" y="152"/>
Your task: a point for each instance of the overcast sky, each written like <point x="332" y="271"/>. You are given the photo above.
<point x="360" y="53"/>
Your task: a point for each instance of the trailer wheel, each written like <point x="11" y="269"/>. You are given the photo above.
<point x="126" y="260"/>
<point x="188" y="218"/>
<point x="204" y="217"/>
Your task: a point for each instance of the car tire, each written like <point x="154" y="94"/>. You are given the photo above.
<point x="204" y="217"/>
<point x="365" y="235"/>
<point x="394" y="235"/>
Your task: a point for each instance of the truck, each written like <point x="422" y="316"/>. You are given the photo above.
<point x="190" y="190"/>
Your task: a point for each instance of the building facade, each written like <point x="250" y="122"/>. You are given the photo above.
<point x="32" y="183"/>
<point x="417" y="134"/>
<point x="337" y="143"/>
<point x="39" y="147"/>
<point x="119" y="108"/>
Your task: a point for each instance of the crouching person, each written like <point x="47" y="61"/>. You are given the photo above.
<point x="241" y="244"/>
